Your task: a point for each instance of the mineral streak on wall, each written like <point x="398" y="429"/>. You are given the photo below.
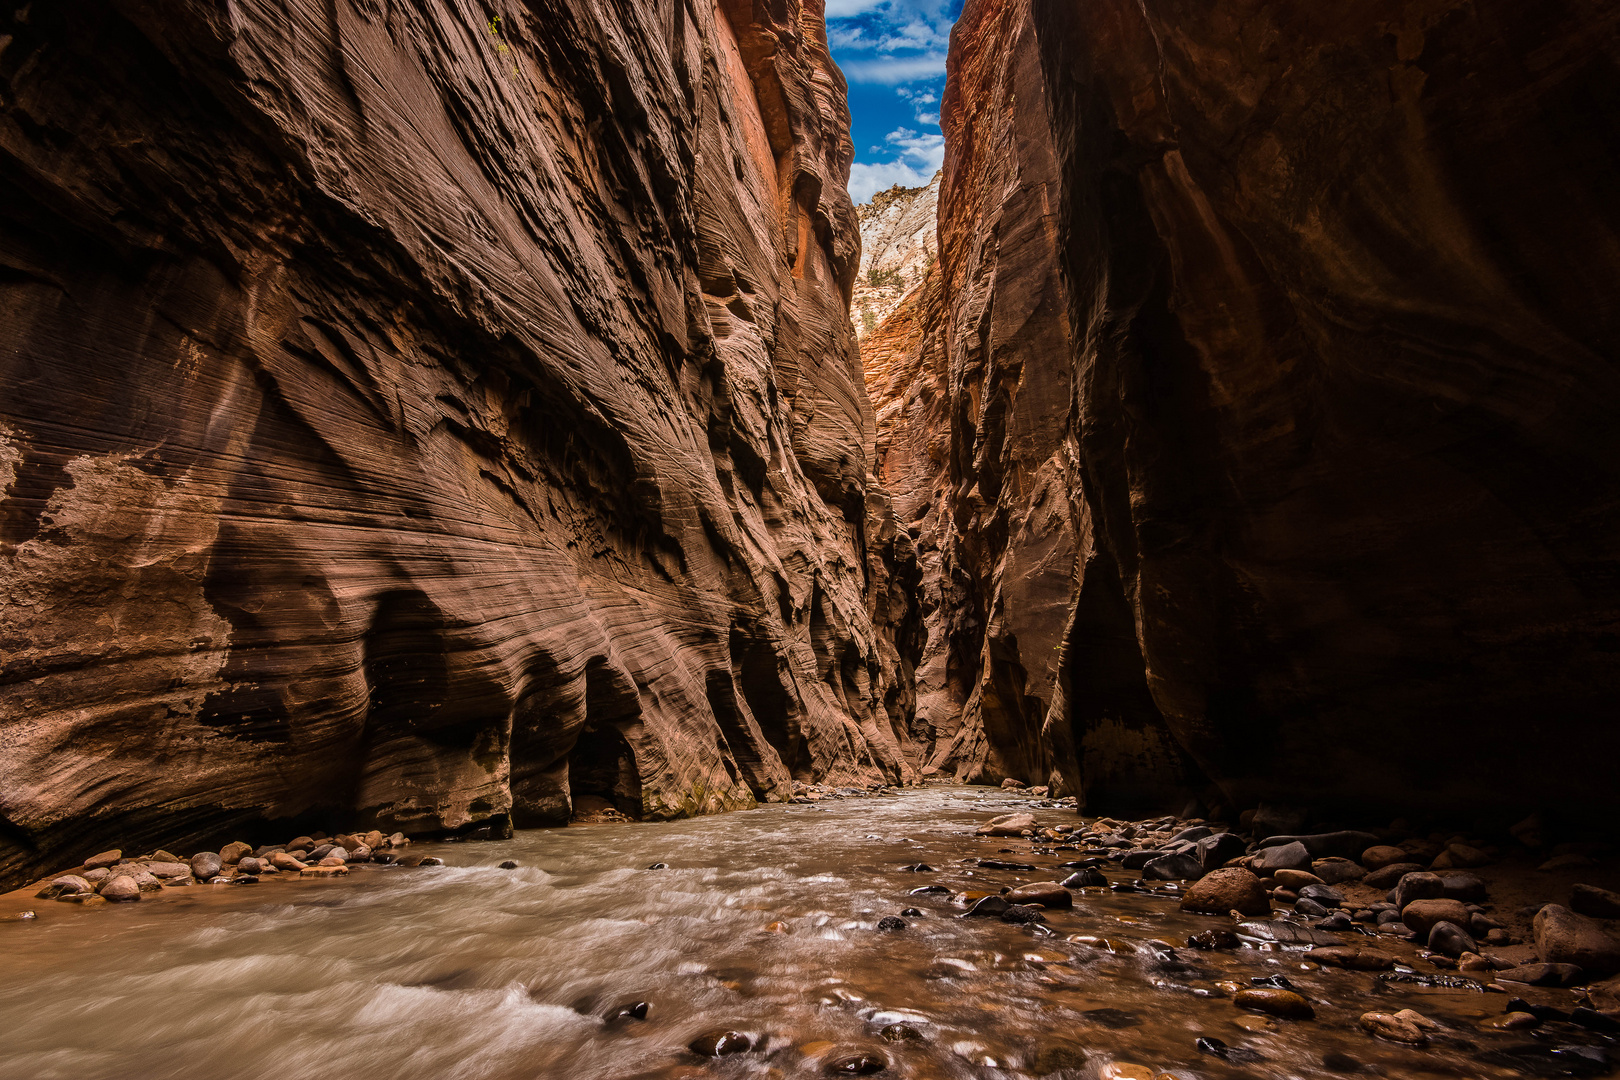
<point x="423" y="416"/>
<point x="1282" y="364"/>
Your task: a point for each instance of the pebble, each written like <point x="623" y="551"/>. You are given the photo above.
<point x="509" y="864"/>
<point x="1284" y="1004"/>
<point x="891" y="922"/>
<point x="1405" y="1026"/>
<point x="1048" y="894"/>
<point x="1088" y="878"/>
<point x="720" y="1042"/>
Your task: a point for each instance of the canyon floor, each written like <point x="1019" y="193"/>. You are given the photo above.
<point x="866" y="932"/>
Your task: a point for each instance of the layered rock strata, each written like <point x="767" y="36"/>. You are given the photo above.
<point x="1284" y="389"/>
<point x="419" y="419"/>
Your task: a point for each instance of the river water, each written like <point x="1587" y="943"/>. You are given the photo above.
<point x="471" y="971"/>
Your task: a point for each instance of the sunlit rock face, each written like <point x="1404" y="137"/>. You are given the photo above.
<point x="425" y="421"/>
<point x="899" y="245"/>
<point x="1323" y="475"/>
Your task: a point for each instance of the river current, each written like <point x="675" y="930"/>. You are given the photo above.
<point x="471" y="971"/>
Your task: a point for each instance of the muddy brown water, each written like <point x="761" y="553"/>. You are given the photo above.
<point x="470" y="971"/>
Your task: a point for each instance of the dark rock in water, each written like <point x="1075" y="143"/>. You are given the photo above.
<point x="245" y="879"/>
<point x="1046" y="893"/>
<point x="999" y="864"/>
<point x="1084" y="864"/>
<point x="1540" y="1012"/>
<point x="989" y="905"/>
<point x="929" y="890"/>
<point x="1292" y="856"/>
<point x="1551" y="1060"/>
<point x="918" y="868"/>
<point x="1274" y="1002"/>
<point x="861" y="1063"/>
<point x="1308" y="907"/>
<point x="1085" y="879"/>
<point x="1335" y="871"/>
<point x="1287" y="933"/>
<point x="901" y="1033"/>
<point x="1592" y="1020"/>
<point x="1595" y="902"/>
<point x="1214" y="939"/>
<point x="1115" y="1019"/>
<point x="431" y="861"/>
<point x="1192" y="832"/>
<point x="1213" y="852"/>
<point x="635" y="1010"/>
<point x="1341" y="1063"/>
<point x="509" y="864"/>
<point x="720" y="1042"/>
<point x="659" y="866"/>
<point x="1563" y="937"/>
<point x="1211" y="1045"/>
<point x="1173" y="868"/>
<point x="1278" y="982"/>
<point x="1419" y="886"/>
<point x="1136" y="860"/>
<point x="1022" y="913"/>
<point x="1326" y="895"/>
<point x="1446" y="982"/>
<point x="1232" y="889"/>
<point x="912" y="913"/>
<point x="1337" y="923"/>
<point x="891" y="922"/>
<point x="1449" y="939"/>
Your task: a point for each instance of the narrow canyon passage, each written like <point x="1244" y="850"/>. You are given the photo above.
<point x="928" y="538"/>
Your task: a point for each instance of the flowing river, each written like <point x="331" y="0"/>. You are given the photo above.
<point x="472" y="971"/>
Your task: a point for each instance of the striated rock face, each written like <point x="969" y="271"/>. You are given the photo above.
<point x="416" y="419"/>
<point x="1333" y="407"/>
<point x="899" y="243"/>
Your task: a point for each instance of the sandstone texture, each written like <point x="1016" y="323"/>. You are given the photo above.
<point x="420" y="415"/>
<point x="1280" y="369"/>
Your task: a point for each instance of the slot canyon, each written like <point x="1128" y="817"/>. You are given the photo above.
<point x="1152" y="577"/>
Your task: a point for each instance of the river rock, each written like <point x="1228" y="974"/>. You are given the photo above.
<point x="206" y="864"/>
<point x="1542" y="974"/>
<point x="891" y="922"/>
<point x="1595" y="902"/>
<point x="233" y="852"/>
<point x="720" y="1042"/>
<point x="166" y="870"/>
<point x="1007" y="825"/>
<point x="251" y="865"/>
<point x="1272" y="1001"/>
<point x="855" y="1063"/>
<point x="1564" y="937"/>
<point x="281" y="860"/>
<point x="1295" y="879"/>
<point x="1381" y="855"/>
<point x="1088" y="878"/>
<point x="121" y="889"/>
<point x="1291" y="856"/>
<point x="986" y="906"/>
<point x="66" y="885"/>
<point x="1216" y="851"/>
<point x="1207" y="940"/>
<point x="1459" y="855"/>
<point x="1391" y="874"/>
<point x="1346" y="843"/>
<point x="1229" y="889"/>
<point x="1420" y="916"/>
<point x="1449" y="938"/>
<point x="104" y="859"/>
<point x="1352" y="957"/>
<point x="1417" y="886"/>
<point x="1394" y="1028"/>
<point x="1049" y="894"/>
<point x="1178" y="867"/>
<point x="1458" y="885"/>
<point x="324" y="869"/>
<point x="1010" y="783"/>
<point x="1326" y="895"/>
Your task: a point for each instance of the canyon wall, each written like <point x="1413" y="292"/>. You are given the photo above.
<point x="1282" y="372"/>
<point x="899" y="243"/>
<point x="428" y="418"/>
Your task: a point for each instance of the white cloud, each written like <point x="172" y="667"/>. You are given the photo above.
<point x="867" y="180"/>
<point x="848" y="9"/>
<point x="928" y="118"/>
<point x="896" y="71"/>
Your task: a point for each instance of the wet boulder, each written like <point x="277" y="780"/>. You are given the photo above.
<point x="1420" y="916"/>
<point x="66" y="885"/>
<point x="1337" y="871"/>
<point x="1228" y="889"/>
<point x="1351" y="958"/>
<point x="1214" y="852"/>
<point x="1049" y="894"/>
<point x="1173" y="868"/>
<point x="1345" y="843"/>
<point x="206" y="864"/>
<point x="1450" y="939"/>
<point x="1564" y="937"/>
<point x="1007" y="825"/>
<point x="1284" y="1004"/>
<point x="1418" y="886"/>
<point x="104" y="859"/>
<point x="1088" y="878"/>
<point x="1292" y="856"/>
<point x="121" y="889"/>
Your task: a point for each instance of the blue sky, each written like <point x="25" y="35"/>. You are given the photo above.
<point x="893" y="54"/>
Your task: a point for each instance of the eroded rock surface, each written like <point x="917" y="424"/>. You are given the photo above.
<point x="899" y="245"/>
<point x="417" y="419"/>
<point x="1281" y="380"/>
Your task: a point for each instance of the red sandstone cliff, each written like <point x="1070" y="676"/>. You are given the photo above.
<point x="420" y="418"/>
<point x="1282" y="389"/>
